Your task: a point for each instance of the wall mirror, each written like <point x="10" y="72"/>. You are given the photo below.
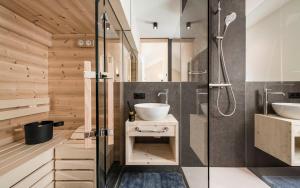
<point x="272" y="44"/>
<point x="171" y="38"/>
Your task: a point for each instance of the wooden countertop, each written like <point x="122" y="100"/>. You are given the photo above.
<point x="274" y="116"/>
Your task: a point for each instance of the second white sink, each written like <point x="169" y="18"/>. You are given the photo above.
<point x="152" y="111"/>
<point x="287" y="110"/>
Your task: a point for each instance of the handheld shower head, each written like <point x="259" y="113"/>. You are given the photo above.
<point x="229" y="19"/>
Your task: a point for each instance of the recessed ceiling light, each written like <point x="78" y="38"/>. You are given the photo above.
<point x="188" y="25"/>
<point x="155" y="25"/>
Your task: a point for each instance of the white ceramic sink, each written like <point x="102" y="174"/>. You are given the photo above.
<point x="152" y="111"/>
<point x="287" y="110"/>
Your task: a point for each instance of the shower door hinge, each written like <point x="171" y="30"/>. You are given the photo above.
<point x="106" y="132"/>
<point x="102" y="133"/>
<point x="104" y="75"/>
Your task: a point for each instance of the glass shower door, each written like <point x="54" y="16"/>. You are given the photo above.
<point x="100" y="99"/>
<point x="109" y="67"/>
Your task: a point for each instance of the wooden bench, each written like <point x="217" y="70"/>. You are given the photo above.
<point x="60" y="162"/>
<point x="24" y="166"/>
<point x="75" y="165"/>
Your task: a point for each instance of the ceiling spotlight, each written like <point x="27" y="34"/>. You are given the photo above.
<point x="188" y="25"/>
<point x="155" y="25"/>
<point x="107" y="26"/>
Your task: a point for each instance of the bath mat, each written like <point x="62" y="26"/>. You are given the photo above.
<point x="282" y="181"/>
<point x="152" y="179"/>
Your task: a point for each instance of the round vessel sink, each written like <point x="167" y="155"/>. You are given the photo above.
<point x="287" y="110"/>
<point x="152" y="111"/>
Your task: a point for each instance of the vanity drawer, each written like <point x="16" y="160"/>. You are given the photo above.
<point x="152" y="130"/>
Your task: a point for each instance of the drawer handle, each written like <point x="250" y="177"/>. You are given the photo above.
<point x="165" y="129"/>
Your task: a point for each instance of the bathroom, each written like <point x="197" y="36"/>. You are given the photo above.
<point x="142" y="94"/>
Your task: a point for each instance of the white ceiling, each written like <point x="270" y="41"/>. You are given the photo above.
<point x="165" y="12"/>
<point x="252" y="5"/>
<point x="256" y="10"/>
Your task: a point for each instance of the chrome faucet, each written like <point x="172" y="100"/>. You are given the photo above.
<point x="268" y="92"/>
<point x="165" y="92"/>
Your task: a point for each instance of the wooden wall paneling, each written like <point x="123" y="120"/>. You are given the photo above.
<point x="22" y="107"/>
<point x="8" y="128"/>
<point x="66" y="81"/>
<point x="23" y="112"/>
<point x="21" y="26"/>
<point x="24" y="68"/>
<point x="23" y="102"/>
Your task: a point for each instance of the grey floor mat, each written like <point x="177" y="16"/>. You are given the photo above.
<point x="152" y="180"/>
<point x="282" y="181"/>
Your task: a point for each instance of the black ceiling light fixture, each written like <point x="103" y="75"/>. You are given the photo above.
<point x="155" y="25"/>
<point x="188" y="25"/>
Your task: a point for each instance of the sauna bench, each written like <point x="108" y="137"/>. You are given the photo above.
<point x="24" y="165"/>
<point x="155" y="153"/>
<point x="279" y="137"/>
<point x="75" y="165"/>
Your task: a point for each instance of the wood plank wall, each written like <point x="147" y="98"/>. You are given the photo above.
<point x="24" y="68"/>
<point x="66" y="84"/>
<point x="35" y="63"/>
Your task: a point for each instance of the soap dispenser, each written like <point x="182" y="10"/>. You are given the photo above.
<point x="131" y="113"/>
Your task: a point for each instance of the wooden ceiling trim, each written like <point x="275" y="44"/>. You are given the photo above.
<point x="23" y="27"/>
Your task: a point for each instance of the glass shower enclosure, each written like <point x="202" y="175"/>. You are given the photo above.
<point x="117" y="62"/>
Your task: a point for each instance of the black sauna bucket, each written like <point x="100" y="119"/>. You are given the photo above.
<point x="39" y="132"/>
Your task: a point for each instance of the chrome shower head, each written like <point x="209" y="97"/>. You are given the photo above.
<point x="230" y="18"/>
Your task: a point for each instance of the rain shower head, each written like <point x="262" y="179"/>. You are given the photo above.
<point x="230" y="18"/>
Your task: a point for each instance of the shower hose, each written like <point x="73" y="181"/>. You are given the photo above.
<point x="222" y="66"/>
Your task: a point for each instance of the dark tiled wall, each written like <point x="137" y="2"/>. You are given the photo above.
<point x="189" y="106"/>
<point x="182" y="99"/>
<point x="227" y="134"/>
<point x="254" y="104"/>
<point x="199" y="64"/>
